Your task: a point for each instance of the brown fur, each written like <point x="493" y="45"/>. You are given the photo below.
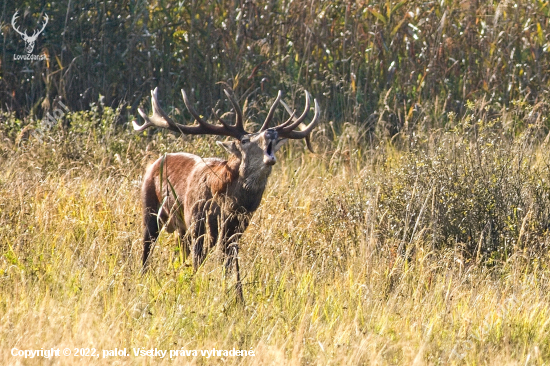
<point x="222" y="174"/>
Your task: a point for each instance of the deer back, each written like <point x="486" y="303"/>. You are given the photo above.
<point x="181" y="181"/>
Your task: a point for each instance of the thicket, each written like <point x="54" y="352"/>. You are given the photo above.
<point x="388" y="65"/>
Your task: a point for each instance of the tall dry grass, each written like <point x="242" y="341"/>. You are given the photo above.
<point x="423" y="249"/>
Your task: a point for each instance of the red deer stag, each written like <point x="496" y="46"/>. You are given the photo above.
<point x="212" y="200"/>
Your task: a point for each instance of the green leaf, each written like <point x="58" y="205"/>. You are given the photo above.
<point x="378" y="15"/>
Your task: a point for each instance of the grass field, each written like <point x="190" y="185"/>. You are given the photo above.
<point x="422" y="249"/>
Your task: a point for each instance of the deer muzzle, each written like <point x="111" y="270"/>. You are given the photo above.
<point x="271" y="136"/>
<point x="269" y="153"/>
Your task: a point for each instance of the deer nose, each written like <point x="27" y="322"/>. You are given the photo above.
<point x="269" y="154"/>
<point x="269" y="160"/>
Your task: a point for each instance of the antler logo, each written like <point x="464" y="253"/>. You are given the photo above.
<point x="29" y="40"/>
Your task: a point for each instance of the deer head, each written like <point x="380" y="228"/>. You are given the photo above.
<point x="29" y="40"/>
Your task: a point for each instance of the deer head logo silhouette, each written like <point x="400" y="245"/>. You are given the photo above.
<point x="29" y="40"/>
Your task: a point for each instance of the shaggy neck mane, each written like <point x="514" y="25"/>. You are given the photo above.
<point x="245" y="186"/>
<point x="223" y="174"/>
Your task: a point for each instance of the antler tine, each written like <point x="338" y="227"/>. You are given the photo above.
<point x="192" y="110"/>
<point x="144" y="126"/>
<point x="160" y="119"/>
<point x="271" y="112"/>
<point x="297" y="121"/>
<point x="159" y="114"/>
<point x="284" y="132"/>
<point x="238" y="111"/>
<point x="155" y="119"/>
<point x="290" y="118"/>
<point x="236" y="131"/>
<point x="222" y="121"/>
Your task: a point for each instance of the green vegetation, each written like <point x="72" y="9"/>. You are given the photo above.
<point x="416" y="234"/>
<point x="355" y="57"/>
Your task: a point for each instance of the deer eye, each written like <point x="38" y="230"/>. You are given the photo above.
<point x="245" y="141"/>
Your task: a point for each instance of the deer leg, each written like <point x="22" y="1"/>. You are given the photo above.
<point x="232" y="254"/>
<point x="209" y="236"/>
<point x="234" y="228"/>
<point x="238" y="285"/>
<point x="151" y="205"/>
<point x="150" y="235"/>
<point x="199" y="253"/>
<point x="183" y="246"/>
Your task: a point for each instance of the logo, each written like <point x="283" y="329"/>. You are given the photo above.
<point x="29" y="40"/>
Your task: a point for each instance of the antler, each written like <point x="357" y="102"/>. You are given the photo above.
<point x="271" y="112"/>
<point x="238" y="111"/>
<point x="161" y="119"/>
<point x="15" y="16"/>
<point x="37" y="33"/>
<point x="286" y="129"/>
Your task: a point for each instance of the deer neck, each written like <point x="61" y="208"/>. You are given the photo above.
<point x="250" y="184"/>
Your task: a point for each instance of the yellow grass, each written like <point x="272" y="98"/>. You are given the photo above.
<point x="320" y="283"/>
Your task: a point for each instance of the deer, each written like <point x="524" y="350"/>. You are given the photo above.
<point x="29" y="40"/>
<point x="210" y="201"/>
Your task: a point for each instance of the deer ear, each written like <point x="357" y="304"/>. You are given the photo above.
<point x="280" y="144"/>
<point x="229" y="146"/>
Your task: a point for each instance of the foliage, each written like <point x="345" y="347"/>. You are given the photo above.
<point x="364" y="61"/>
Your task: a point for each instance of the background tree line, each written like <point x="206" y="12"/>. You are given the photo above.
<point x="393" y="64"/>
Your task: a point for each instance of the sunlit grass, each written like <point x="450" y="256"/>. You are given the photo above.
<point x="324" y="279"/>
